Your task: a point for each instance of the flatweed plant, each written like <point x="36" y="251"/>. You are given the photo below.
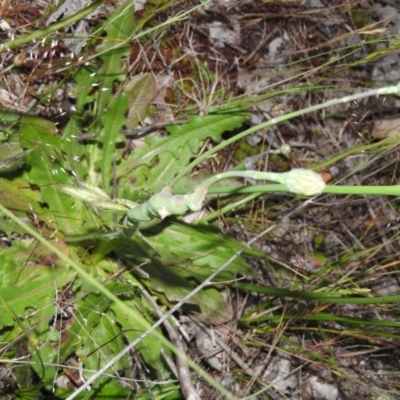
<point x="92" y="243"/>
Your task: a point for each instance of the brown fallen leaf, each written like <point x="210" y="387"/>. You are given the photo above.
<point x="3" y="9"/>
<point x="386" y="128"/>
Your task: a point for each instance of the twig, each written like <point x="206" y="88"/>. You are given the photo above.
<point x="188" y="390"/>
<point x="135" y="132"/>
<point x="227" y="349"/>
<point x="151" y="128"/>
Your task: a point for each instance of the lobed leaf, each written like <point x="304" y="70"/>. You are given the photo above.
<point x="24" y="290"/>
<point x="110" y="136"/>
<point x="167" y="156"/>
<point x="110" y="108"/>
<point x="74" y="150"/>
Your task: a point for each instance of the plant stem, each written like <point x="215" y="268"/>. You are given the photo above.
<point x="387" y="90"/>
<point x="393" y="190"/>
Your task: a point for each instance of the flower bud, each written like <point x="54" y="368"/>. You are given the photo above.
<point x="303" y="181"/>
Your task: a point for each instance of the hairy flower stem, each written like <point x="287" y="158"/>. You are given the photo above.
<point x="301" y="181"/>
